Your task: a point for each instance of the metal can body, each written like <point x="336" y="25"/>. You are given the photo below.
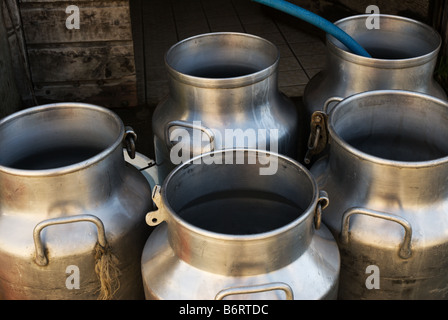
<point x="70" y="206"/>
<point x="230" y="248"/>
<point x="223" y="86"/>
<point x="404" y="56"/>
<point x="386" y="172"/>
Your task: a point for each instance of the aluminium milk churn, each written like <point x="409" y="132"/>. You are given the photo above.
<point x="71" y="208"/>
<point x="404" y="56"/>
<point x="254" y="235"/>
<point x="223" y="89"/>
<point x="386" y="173"/>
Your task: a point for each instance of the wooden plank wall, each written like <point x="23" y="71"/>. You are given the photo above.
<point x="93" y="64"/>
<point x="442" y="27"/>
<point x="444" y="30"/>
<point x="17" y="48"/>
<point x="10" y="100"/>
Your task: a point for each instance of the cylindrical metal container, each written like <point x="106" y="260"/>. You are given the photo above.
<point x="404" y="55"/>
<point x="71" y="209"/>
<point x="386" y="174"/>
<point x="231" y="230"/>
<point x="223" y="89"/>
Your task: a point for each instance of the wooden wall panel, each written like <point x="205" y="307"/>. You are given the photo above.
<point x="100" y="21"/>
<point x="442" y="27"/>
<point x="80" y="63"/>
<point x="120" y="93"/>
<point x="93" y="64"/>
<point x="9" y="93"/>
<point x="17" y="47"/>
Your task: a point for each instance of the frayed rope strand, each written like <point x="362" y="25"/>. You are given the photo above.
<point x="107" y="271"/>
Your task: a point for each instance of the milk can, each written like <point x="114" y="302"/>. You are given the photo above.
<point x="226" y="229"/>
<point x="386" y="174"/>
<point x="404" y="55"/>
<point x="222" y="89"/>
<point x="71" y="209"/>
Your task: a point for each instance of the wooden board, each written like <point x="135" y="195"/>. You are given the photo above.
<point x="92" y="64"/>
<point x="75" y="62"/>
<point x="9" y="93"/>
<point x="17" y="48"/>
<point x="110" y="93"/>
<point x="99" y="21"/>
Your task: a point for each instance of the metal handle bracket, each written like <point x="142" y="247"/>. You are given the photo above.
<point x="257" y="288"/>
<point x="41" y="259"/>
<point x="405" y="248"/>
<point x="322" y="203"/>
<point x="129" y="141"/>
<point x="191" y="125"/>
<point x="330" y="100"/>
<point x="318" y="138"/>
<point x="153" y="218"/>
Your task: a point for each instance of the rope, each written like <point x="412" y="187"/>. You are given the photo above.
<point x="107" y="272"/>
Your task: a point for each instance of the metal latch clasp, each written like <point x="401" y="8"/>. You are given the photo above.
<point x="318" y="138"/>
<point x="129" y="141"/>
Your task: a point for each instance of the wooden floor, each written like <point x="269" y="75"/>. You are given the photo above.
<point x="158" y="24"/>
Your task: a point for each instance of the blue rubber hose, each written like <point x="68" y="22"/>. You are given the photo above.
<point x="319" y="22"/>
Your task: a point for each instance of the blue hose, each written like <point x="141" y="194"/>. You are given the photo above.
<point x="319" y="22"/>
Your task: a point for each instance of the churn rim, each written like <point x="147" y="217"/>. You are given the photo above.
<point x="257" y="236"/>
<point x="73" y="167"/>
<point x="223" y="83"/>
<point x="378" y="160"/>
<point x="385" y="63"/>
